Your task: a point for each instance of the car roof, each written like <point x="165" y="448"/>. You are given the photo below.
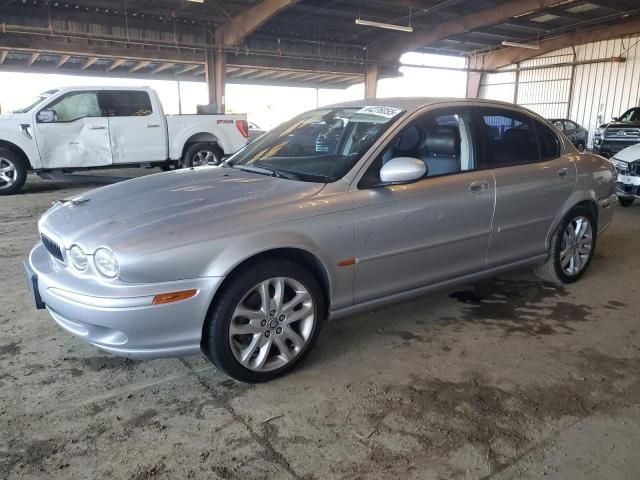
<point x="411" y="104"/>
<point x="100" y="87"/>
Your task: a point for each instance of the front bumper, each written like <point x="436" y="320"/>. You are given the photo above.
<point x="628" y="186"/>
<point x="606" y="210"/>
<point x="609" y="148"/>
<point x="119" y="317"/>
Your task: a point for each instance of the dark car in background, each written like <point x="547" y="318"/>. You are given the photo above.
<point x="622" y="132"/>
<point x="578" y="135"/>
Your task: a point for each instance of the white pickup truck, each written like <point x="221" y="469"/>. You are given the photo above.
<point x="72" y="129"/>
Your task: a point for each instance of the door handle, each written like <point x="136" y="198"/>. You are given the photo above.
<point x="152" y="125"/>
<point x="563" y="172"/>
<point x="479" y="186"/>
<point x="97" y="127"/>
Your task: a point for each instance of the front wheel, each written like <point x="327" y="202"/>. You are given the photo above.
<point x="625" y="201"/>
<point x="200" y="154"/>
<point x="13" y="172"/>
<point x="265" y="321"/>
<point x="571" y="248"/>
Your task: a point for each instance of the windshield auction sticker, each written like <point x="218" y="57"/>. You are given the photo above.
<point x="387" y="112"/>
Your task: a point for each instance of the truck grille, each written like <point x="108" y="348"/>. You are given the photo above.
<point x="623" y="133"/>
<point x="52" y="247"/>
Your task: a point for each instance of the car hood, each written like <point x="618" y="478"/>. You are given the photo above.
<point x="630" y="154"/>
<point x="621" y="125"/>
<point x="174" y="208"/>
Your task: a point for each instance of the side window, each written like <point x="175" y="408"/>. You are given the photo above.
<point x="549" y="144"/>
<point x="75" y="106"/>
<point x="443" y="140"/>
<point x="509" y="138"/>
<point x="126" y="103"/>
<point x="571" y="125"/>
<point x="559" y="124"/>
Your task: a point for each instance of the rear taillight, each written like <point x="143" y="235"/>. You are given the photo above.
<point x="243" y="127"/>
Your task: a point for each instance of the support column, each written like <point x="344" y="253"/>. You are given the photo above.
<point x="216" y="71"/>
<point x="473" y="79"/>
<point x="371" y="81"/>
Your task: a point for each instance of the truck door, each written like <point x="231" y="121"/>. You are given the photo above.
<point x="136" y="128"/>
<point x="71" y="132"/>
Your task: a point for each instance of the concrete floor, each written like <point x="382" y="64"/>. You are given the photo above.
<point x="504" y="379"/>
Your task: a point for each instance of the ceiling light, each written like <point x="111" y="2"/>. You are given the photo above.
<point x="388" y="26"/>
<point x="520" y="45"/>
<point x="196" y="1"/>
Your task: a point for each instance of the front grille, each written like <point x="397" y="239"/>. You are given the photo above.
<point x="634" y="167"/>
<point x="623" y="134"/>
<point x="52" y="247"/>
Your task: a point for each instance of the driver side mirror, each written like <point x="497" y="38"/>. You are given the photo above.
<point x="402" y="170"/>
<point x="46" y="116"/>
<point x="615" y="119"/>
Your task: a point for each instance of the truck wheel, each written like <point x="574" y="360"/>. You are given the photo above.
<point x="200" y="154"/>
<point x="581" y="147"/>
<point x="571" y="248"/>
<point x="625" y="201"/>
<point x="13" y="172"/>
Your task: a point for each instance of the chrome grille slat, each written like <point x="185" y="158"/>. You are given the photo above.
<point x="52" y="247"/>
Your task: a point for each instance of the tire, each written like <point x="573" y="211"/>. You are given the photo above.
<point x="581" y="147"/>
<point x="200" y="154"/>
<point x="625" y="201"/>
<point x="253" y="337"/>
<point x="552" y="270"/>
<point x="13" y="172"/>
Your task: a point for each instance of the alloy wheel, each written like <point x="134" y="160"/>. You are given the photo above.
<point x="204" y="157"/>
<point x="576" y="246"/>
<point x="8" y="173"/>
<point x="272" y="324"/>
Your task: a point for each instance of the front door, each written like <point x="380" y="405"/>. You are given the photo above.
<point x="72" y="133"/>
<point x="137" y="129"/>
<point x="408" y="236"/>
<point x="533" y="182"/>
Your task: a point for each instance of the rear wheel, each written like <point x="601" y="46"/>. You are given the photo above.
<point x="571" y="249"/>
<point x="581" y="147"/>
<point x="200" y="154"/>
<point x="13" y="172"/>
<point x="625" y="201"/>
<point x="265" y="321"/>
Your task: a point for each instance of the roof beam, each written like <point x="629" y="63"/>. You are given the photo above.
<point x="90" y="61"/>
<point x="139" y="66"/>
<point x="242" y="25"/>
<point x="162" y="67"/>
<point x="3" y="56"/>
<point x="188" y="68"/>
<point x="63" y="59"/>
<point x="488" y="17"/>
<point x="116" y="63"/>
<point x="33" y="58"/>
<point x="508" y="56"/>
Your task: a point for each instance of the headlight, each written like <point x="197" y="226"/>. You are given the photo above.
<point x="620" y="165"/>
<point x="78" y="258"/>
<point x="599" y="132"/>
<point x="106" y="262"/>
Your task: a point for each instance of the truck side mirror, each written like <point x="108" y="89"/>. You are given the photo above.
<point x="46" y="116"/>
<point x="616" y="119"/>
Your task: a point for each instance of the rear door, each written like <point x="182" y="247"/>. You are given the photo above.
<point x="72" y="132"/>
<point x="136" y="126"/>
<point x="533" y="181"/>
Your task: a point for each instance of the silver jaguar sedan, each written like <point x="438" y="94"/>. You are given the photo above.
<point x="342" y="209"/>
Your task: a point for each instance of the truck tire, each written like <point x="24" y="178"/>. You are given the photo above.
<point x="625" y="201"/>
<point x="13" y="172"/>
<point x="200" y="154"/>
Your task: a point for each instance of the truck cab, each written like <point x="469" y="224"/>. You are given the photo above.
<point x="81" y="128"/>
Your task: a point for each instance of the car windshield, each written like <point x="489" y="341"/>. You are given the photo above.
<point x="40" y="99"/>
<point x="317" y="146"/>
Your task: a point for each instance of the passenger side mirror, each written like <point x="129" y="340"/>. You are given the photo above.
<point x="402" y="170"/>
<point x="615" y="119"/>
<point x="46" y="116"/>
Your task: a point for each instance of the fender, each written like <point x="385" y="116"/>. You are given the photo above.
<point x="176" y="147"/>
<point x="24" y="143"/>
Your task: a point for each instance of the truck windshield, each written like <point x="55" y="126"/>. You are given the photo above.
<point x="317" y="146"/>
<point x="42" y="97"/>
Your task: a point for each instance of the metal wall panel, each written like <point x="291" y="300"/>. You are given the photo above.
<point x="589" y="94"/>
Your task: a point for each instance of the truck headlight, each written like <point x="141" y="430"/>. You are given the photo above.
<point x="106" y="262"/>
<point x="620" y="165"/>
<point x="78" y="258"/>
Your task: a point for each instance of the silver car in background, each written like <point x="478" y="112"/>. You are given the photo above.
<point x="393" y="198"/>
